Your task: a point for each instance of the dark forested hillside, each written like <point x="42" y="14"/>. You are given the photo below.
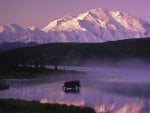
<point x="56" y="53"/>
<point x="8" y="46"/>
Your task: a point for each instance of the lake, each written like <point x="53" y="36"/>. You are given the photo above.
<point x="113" y="89"/>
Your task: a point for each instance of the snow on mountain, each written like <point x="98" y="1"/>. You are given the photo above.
<point x="16" y="33"/>
<point x="12" y="33"/>
<point x="98" y="25"/>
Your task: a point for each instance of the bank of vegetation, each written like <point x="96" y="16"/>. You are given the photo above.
<point x="21" y="106"/>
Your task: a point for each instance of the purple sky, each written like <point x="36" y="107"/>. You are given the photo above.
<point x="40" y="12"/>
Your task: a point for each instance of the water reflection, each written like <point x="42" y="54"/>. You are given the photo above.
<point x="118" y="91"/>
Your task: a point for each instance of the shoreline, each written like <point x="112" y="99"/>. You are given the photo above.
<point x="22" y="106"/>
<point x="24" y="72"/>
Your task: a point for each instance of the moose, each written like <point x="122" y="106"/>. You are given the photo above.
<point x="72" y="86"/>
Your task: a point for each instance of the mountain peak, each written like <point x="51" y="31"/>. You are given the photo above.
<point x="32" y="28"/>
<point x="98" y="10"/>
<point x="67" y="17"/>
<point x="54" y="24"/>
<point x="11" y="28"/>
<point x="101" y="25"/>
<point x="97" y="25"/>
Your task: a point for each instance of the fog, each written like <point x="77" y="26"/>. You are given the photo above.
<point x="111" y="87"/>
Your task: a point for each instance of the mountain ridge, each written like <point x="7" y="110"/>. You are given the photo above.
<point x="94" y="26"/>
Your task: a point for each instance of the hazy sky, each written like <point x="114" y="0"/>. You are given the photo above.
<point x="40" y="12"/>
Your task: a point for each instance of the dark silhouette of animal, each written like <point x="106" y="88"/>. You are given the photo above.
<point x="72" y="86"/>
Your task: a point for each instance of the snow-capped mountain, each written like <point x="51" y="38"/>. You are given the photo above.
<point x="98" y="25"/>
<point x="16" y="33"/>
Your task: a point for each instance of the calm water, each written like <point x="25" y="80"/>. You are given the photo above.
<point x="118" y="90"/>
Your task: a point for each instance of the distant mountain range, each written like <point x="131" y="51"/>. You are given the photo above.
<point x="98" y="25"/>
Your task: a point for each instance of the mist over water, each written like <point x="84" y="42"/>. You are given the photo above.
<point x="121" y="88"/>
